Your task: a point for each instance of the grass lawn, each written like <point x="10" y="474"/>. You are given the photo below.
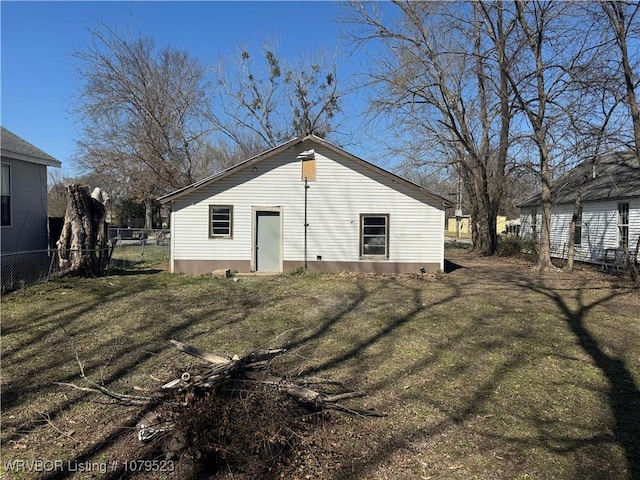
<point x="491" y="371"/>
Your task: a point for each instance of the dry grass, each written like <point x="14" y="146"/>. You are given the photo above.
<point x="491" y="371"/>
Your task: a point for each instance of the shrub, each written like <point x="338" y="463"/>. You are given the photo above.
<point x="512" y="246"/>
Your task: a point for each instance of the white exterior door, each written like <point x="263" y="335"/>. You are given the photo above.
<point x="268" y="241"/>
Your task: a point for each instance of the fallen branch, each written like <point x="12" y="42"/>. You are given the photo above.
<point x="231" y="412"/>
<point x="209" y="357"/>
<point x="252" y="367"/>
<point x="126" y="400"/>
<point x="47" y="418"/>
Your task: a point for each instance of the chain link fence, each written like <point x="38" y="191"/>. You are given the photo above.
<point x="21" y="269"/>
<point x="145" y="252"/>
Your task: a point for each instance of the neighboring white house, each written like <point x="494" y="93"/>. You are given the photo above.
<point x="609" y="213"/>
<point x="24" y="194"/>
<point x="306" y="203"/>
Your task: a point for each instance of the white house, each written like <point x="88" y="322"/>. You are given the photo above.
<point x="306" y="203"/>
<point x="609" y="213"/>
<point x="24" y="194"/>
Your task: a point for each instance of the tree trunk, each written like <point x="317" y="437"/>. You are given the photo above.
<point x="149" y="208"/>
<point x="83" y="226"/>
<point x="492" y="229"/>
<point x="615" y="12"/>
<point x="544" y="253"/>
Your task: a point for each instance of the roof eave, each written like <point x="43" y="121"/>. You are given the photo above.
<point x="446" y="203"/>
<point x="49" y="162"/>
<point x="269" y="153"/>
<point x="225" y="173"/>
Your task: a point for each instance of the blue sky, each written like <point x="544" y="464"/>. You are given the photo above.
<point x="38" y="38"/>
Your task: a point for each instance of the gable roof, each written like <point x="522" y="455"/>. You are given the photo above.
<point x="285" y="146"/>
<point x="17" y="148"/>
<point x="610" y="176"/>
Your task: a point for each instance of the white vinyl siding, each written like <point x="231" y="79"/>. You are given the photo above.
<point x="599" y="228"/>
<point x="342" y="191"/>
<point x="529" y="222"/>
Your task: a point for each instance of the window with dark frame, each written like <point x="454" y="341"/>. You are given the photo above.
<point x="220" y="221"/>
<point x="623" y="225"/>
<point x="5" y="191"/>
<point x="534" y="223"/>
<point x="577" y="235"/>
<point x="374" y="235"/>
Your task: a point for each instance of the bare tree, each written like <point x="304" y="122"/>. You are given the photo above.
<point x="592" y="129"/>
<point x="565" y="88"/>
<point x="273" y="101"/>
<point x="144" y="114"/>
<point x="56" y="194"/>
<point x="541" y="82"/>
<point x="224" y="153"/>
<point x="442" y="82"/>
<point x="622" y="19"/>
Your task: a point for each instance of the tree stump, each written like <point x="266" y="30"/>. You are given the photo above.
<point x="83" y="241"/>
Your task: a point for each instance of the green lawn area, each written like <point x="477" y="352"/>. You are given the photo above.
<point x="491" y="371"/>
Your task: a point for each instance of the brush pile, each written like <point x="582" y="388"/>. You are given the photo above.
<point x="234" y="415"/>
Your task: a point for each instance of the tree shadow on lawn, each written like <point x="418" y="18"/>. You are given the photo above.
<point x="623" y="392"/>
<point x="127" y="272"/>
<point x="61" y="324"/>
<point x="49" y="326"/>
<point x="418" y="306"/>
<point x="362" y="294"/>
<point x="623" y="395"/>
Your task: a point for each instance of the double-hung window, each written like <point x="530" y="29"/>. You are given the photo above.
<point x="220" y="221"/>
<point x="5" y="190"/>
<point x="623" y="225"/>
<point x="374" y="236"/>
<point x="577" y="232"/>
<point x="534" y="223"/>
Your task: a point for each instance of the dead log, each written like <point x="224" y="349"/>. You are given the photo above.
<point x="83" y="240"/>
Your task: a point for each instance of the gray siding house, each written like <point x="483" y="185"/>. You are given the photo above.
<point x="609" y="214"/>
<point x="24" y="194"/>
<point x="306" y="203"/>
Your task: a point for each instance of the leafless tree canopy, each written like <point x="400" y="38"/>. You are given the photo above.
<point x="624" y="29"/>
<point x="153" y="123"/>
<point x="495" y="89"/>
<point x="441" y="79"/>
<point x="144" y="113"/>
<point x="264" y="98"/>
